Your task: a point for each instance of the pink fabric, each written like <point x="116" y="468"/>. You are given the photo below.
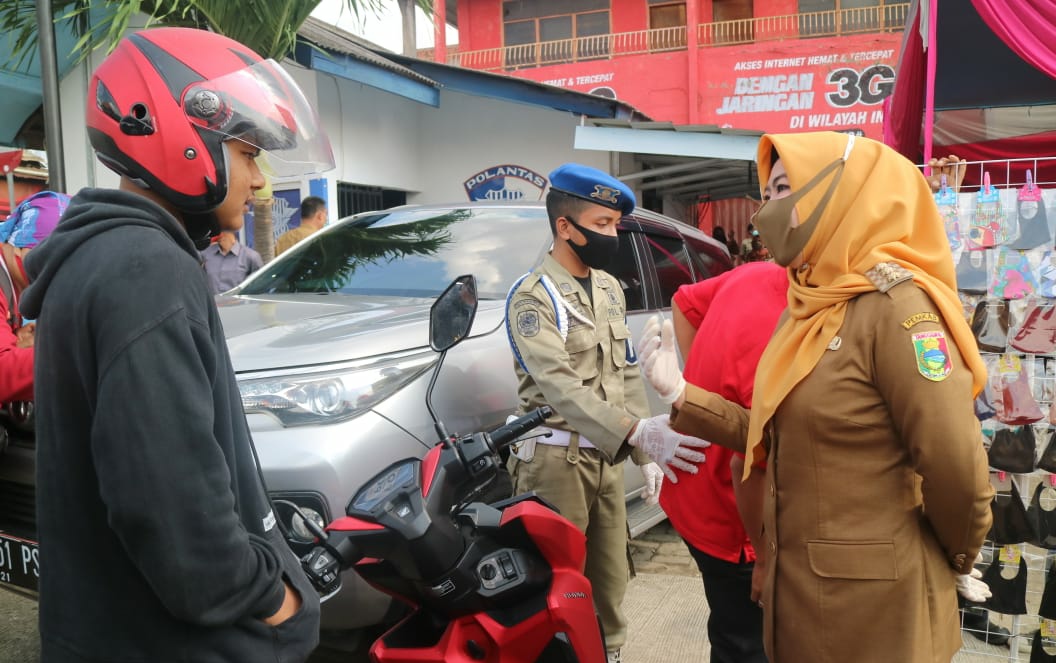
<point x="929" y="81"/>
<point x="1028" y="27"/>
<point x="1018" y="147"/>
<point x="904" y="108"/>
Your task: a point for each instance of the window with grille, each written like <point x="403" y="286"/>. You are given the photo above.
<point x="541" y="32"/>
<point x="356" y="198"/>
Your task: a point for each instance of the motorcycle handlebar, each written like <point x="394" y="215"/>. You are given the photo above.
<point x="504" y="435"/>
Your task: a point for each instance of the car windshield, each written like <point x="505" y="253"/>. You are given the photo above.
<point x="411" y="253"/>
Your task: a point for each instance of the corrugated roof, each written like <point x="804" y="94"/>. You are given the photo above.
<point x="332" y="38"/>
<point x="502" y="86"/>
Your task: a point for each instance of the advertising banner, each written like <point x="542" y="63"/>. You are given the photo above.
<point x="832" y="83"/>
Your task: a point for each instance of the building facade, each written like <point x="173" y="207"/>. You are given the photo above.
<point x="770" y="65"/>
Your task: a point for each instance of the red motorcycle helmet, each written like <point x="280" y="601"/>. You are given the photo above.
<point x="162" y="104"/>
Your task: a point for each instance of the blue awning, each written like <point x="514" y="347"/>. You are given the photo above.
<point x="328" y="49"/>
<point x="21" y="90"/>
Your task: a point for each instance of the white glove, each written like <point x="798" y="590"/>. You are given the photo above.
<point x="666" y="447"/>
<point x="659" y="361"/>
<point x="654" y="479"/>
<point x="971" y="588"/>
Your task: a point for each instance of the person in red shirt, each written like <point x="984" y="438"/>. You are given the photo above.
<point x="33" y="220"/>
<point x="722" y="326"/>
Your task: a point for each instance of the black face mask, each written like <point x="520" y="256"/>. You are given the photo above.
<point x="599" y="250"/>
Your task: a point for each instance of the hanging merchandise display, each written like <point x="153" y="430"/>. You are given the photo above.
<point x="1042" y="516"/>
<point x="1011" y="524"/>
<point x="1037" y="333"/>
<point x="1033" y="222"/>
<point x="988" y="227"/>
<point x="984" y="408"/>
<point x="972" y="272"/>
<point x="1047" y="461"/>
<point x="1043" y="644"/>
<point x="946" y="200"/>
<point x="990" y="325"/>
<point x="1017" y="404"/>
<point x="1007" y="579"/>
<point x="1047" y="275"/>
<point x="1013" y="275"/>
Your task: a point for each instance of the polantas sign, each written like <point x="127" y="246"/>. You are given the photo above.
<point x="505" y="182"/>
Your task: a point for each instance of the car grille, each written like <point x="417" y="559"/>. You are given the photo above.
<point x="19" y="512"/>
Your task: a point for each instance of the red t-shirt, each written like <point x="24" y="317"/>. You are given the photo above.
<point x="735" y="315"/>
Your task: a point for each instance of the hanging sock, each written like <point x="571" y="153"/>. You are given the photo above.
<point x="1033" y="224"/>
<point x="1013" y="275"/>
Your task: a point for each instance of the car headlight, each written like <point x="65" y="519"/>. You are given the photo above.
<point x="329" y="397"/>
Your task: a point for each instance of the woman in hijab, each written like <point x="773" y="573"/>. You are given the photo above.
<point x="877" y="491"/>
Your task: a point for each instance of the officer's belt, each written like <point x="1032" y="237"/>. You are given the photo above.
<point x="560" y="438"/>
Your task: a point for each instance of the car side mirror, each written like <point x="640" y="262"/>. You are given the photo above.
<point x="451" y="316"/>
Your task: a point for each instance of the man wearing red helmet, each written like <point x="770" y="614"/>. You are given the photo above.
<point x="158" y="541"/>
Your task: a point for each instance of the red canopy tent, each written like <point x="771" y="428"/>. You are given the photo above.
<point x="977" y="80"/>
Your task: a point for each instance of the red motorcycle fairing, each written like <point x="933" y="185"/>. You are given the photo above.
<point x="479" y="638"/>
<point x="350" y="524"/>
<point x="429" y="464"/>
<point x="558" y="540"/>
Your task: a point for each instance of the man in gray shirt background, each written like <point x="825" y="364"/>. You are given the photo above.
<point x="228" y="262"/>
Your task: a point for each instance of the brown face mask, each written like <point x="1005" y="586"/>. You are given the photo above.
<point x="773" y="218"/>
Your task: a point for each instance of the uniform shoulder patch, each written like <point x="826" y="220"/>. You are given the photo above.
<point x="927" y="316"/>
<point x="528" y="322"/>
<point x="933" y="355"/>
<point x="886" y="275"/>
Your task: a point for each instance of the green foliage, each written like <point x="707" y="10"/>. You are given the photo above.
<point x="269" y="27"/>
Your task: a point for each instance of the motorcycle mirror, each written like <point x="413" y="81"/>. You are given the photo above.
<point x="451" y="316"/>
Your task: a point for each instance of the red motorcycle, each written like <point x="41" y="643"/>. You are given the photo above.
<point x="500" y="582"/>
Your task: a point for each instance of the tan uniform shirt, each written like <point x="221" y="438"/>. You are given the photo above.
<point x="291" y="237"/>
<point x="878" y="489"/>
<point x="590" y="376"/>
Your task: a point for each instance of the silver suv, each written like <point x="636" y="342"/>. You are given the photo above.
<point x="330" y="344"/>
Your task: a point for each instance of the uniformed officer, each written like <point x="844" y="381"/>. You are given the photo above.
<point x="567" y="326"/>
<point x="877" y="495"/>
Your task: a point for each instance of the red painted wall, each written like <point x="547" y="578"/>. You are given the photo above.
<point x="655" y="84"/>
<point x="786" y="85"/>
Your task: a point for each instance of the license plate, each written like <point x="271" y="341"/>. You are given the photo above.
<point x="19" y="562"/>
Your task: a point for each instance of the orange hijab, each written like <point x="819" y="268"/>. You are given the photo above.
<point x="881" y="211"/>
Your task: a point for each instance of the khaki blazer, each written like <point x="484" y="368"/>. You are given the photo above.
<point x="878" y="489"/>
<point x="588" y="374"/>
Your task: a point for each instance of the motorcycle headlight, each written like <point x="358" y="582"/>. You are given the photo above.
<point x="329" y="397"/>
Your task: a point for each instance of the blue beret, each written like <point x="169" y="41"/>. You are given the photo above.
<point x="593" y="186"/>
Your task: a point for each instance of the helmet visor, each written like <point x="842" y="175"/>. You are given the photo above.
<point x="263" y="106"/>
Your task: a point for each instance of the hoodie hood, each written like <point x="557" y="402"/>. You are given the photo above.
<point x="92" y="212"/>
